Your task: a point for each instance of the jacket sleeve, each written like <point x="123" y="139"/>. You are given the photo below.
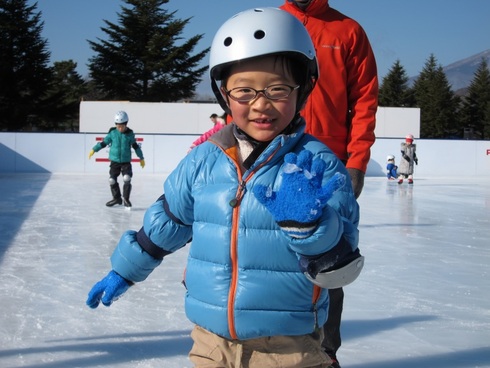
<point x="163" y="231"/>
<point x="107" y="140"/>
<point x="137" y="150"/>
<point x="362" y="99"/>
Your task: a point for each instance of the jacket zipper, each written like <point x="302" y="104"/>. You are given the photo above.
<point x="235" y="204"/>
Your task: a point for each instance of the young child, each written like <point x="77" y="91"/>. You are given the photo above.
<point x="217" y="119"/>
<point x="271" y="216"/>
<point x="391" y="168"/>
<point x="409" y="157"/>
<point x="218" y="124"/>
<point x="120" y="138"/>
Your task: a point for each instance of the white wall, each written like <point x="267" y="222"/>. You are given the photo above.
<point x="193" y="118"/>
<point x="148" y="117"/>
<point x="68" y="153"/>
<point x="397" y="122"/>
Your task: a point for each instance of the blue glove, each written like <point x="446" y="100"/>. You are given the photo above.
<point x="299" y="202"/>
<point x="108" y="290"/>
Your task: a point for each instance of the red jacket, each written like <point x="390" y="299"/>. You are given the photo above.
<point x="348" y="82"/>
<point x="205" y="136"/>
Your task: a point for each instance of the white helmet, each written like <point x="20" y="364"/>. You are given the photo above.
<point x="390" y="157"/>
<point x="340" y="277"/>
<point x="260" y="32"/>
<point x="121" y="117"/>
<point x="409" y="137"/>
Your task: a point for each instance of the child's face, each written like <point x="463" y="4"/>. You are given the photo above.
<point x="121" y="127"/>
<point x="261" y="118"/>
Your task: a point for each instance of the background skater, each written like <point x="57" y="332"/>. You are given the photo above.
<point x="391" y="168"/>
<point x="409" y="157"/>
<point x="120" y="139"/>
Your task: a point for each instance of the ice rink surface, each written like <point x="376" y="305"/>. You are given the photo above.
<point x="423" y="299"/>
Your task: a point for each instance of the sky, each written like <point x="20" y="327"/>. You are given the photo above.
<point x="422" y="299"/>
<point x="409" y="31"/>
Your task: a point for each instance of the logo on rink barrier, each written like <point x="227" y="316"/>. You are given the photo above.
<point x="488" y="152"/>
<point x="100" y="139"/>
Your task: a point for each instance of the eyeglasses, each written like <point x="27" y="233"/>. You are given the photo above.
<point x="273" y="92"/>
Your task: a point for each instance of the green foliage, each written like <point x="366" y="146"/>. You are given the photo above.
<point x="141" y="60"/>
<point x="394" y="90"/>
<point x="24" y="74"/>
<point x="476" y="104"/>
<point x="438" y="104"/>
<point x="62" y="103"/>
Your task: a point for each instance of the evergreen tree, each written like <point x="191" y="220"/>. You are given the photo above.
<point x="394" y="90"/>
<point x="24" y="73"/>
<point x="140" y="61"/>
<point x="62" y="104"/>
<point x="476" y="104"/>
<point x="438" y="104"/>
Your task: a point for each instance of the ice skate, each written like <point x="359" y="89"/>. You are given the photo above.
<point x="126" y="192"/>
<point x="410" y="181"/>
<point x="113" y="202"/>
<point x="116" y="196"/>
<point x="400" y="181"/>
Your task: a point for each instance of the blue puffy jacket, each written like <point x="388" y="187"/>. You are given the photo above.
<point x="242" y="277"/>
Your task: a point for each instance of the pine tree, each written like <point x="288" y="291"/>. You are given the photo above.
<point x="62" y="103"/>
<point x="438" y="104"/>
<point x="140" y="61"/>
<point x="24" y="71"/>
<point x="394" y="90"/>
<point x="476" y="104"/>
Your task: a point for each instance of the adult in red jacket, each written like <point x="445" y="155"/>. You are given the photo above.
<point x="341" y="110"/>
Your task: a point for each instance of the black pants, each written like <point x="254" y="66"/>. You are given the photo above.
<point x="332" y="341"/>
<point x="117" y="169"/>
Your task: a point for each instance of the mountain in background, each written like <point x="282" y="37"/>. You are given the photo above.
<point x="460" y="73"/>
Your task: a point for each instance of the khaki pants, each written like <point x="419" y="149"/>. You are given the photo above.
<point x="213" y="351"/>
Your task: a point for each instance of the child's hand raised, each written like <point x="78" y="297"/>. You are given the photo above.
<point x="299" y="202"/>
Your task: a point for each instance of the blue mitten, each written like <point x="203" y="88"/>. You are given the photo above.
<point x="299" y="202"/>
<point x="108" y="290"/>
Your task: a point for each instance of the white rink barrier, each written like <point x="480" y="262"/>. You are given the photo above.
<point x="68" y="153"/>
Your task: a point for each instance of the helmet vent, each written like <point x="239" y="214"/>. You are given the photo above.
<point x="228" y="41"/>
<point x="259" y="34"/>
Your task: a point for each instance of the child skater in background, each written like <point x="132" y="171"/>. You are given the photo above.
<point x="391" y="168"/>
<point x="120" y="139"/>
<point x="409" y="157"/>
<point x="267" y="206"/>
<point x="218" y="124"/>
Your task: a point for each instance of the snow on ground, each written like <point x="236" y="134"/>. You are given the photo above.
<point x="423" y="299"/>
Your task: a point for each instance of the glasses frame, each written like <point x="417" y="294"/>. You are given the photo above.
<point x="263" y="91"/>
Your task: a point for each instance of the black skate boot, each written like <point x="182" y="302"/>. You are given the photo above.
<point x="116" y="196"/>
<point x="126" y="193"/>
